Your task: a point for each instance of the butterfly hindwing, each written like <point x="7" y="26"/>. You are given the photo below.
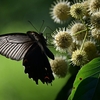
<point x="37" y="65"/>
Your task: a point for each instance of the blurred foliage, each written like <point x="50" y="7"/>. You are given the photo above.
<point x="14" y="16"/>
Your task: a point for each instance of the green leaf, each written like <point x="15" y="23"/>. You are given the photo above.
<point x="87" y="83"/>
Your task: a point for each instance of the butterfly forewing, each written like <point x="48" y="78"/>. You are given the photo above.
<point x="14" y="45"/>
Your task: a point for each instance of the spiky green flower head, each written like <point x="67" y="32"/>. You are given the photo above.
<point x="95" y="20"/>
<point x="62" y="39"/>
<point x="86" y="7"/>
<point x="60" y="11"/>
<point x="94" y="5"/>
<point x="59" y="66"/>
<point x="77" y="11"/>
<point x="90" y="49"/>
<point x="77" y="31"/>
<point x="79" y="57"/>
<point x="96" y="33"/>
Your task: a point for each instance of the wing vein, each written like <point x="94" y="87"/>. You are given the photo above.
<point x="14" y="46"/>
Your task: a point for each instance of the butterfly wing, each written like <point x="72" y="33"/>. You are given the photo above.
<point x="37" y="65"/>
<point x="48" y="53"/>
<point x="14" y="45"/>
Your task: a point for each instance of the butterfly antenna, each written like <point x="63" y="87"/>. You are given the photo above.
<point x="41" y="26"/>
<point x="50" y="28"/>
<point x="44" y="29"/>
<point x="33" y="25"/>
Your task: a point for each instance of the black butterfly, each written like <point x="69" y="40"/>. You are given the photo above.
<point x="32" y="48"/>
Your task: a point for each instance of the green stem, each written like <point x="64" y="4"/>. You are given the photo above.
<point x="80" y="31"/>
<point x="84" y="40"/>
<point x="85" y="34"/>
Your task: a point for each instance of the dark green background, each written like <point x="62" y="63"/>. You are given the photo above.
<point x="14" y="16"/>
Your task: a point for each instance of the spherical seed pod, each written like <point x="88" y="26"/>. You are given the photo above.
<point x="95" y="33"/>
<point x="94" y="5"/>
<point x="77" y="10"/>
<point x="59" y="66"/>
<point x="62" y="39"/>
<point x="79" y="57"/>
<point x="77" y="27"/>
<point x="95" y="20"/>
<point x="90" y="49"/>
<point x="60" y="11"/>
